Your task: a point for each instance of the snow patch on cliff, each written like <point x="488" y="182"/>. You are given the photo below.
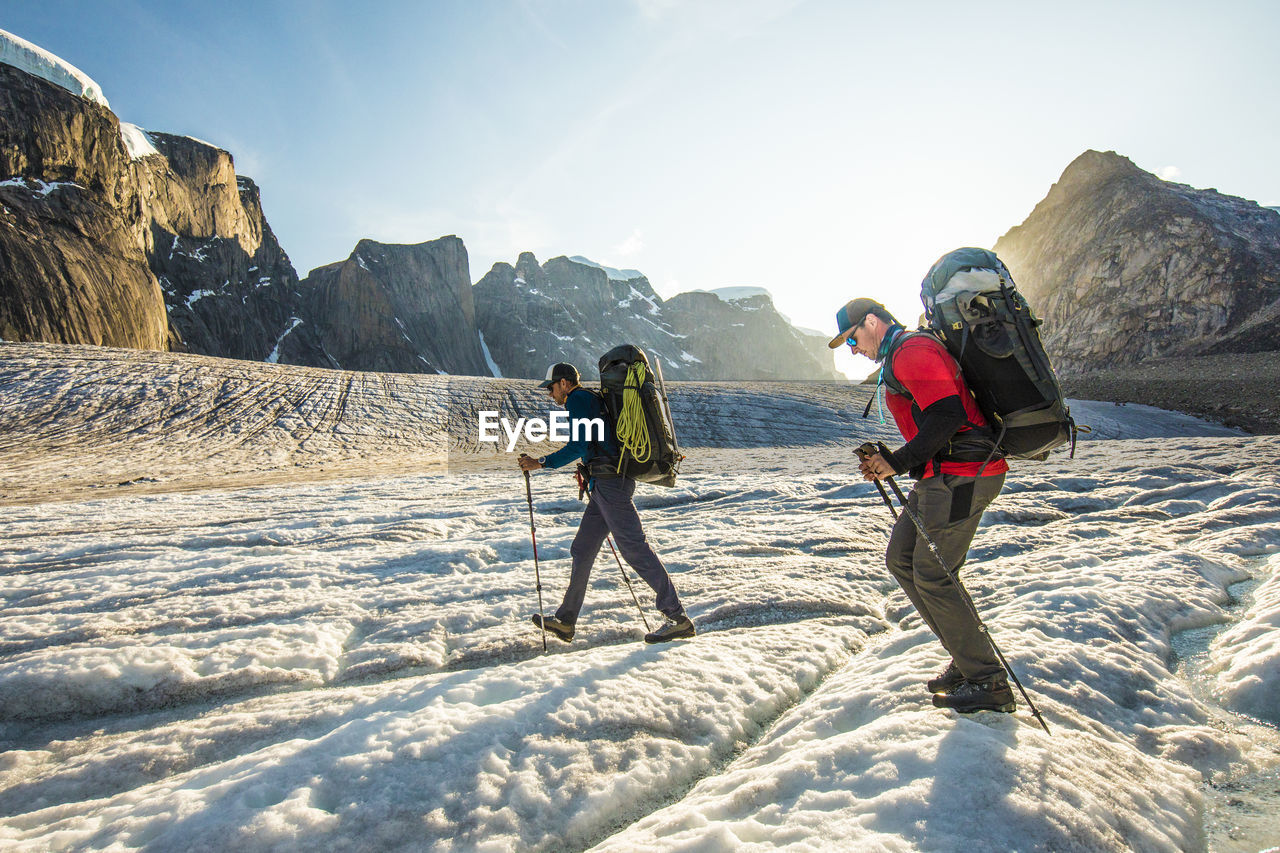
<point x="729" y="294"/>
<point x="136" y="141"/>
<point x="274" y="357"/>
<point x="488" y="357"/>
<point x="40" y="188"/>
<point x="613" y="274"/>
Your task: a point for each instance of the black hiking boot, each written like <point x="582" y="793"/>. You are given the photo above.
<point x="554" y="626"/>
<point x="990" y="695"/>
<point x="947" y="680"/>
<point x="675" y="629"/>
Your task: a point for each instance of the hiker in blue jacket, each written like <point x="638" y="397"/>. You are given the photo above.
<point x="610" y="509"/>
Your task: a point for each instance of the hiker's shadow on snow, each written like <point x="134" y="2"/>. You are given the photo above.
<point x="973" y="776"/>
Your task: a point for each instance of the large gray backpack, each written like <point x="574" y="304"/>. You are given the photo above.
<point x="972" y="305"/>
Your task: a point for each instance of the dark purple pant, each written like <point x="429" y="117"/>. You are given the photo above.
<point x="611" y="510"/>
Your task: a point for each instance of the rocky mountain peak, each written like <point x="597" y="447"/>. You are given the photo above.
<point x="402" y="308"/>
<point x="117" y="235"/>
<point x="527" y="274"/>
<point x="1093" y="167"/>
<point x="1122" y="266"/>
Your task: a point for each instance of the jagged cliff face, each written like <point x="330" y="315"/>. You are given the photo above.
<point x="1123" y="266"/>
<point x="229" y="288"/>
<point x="165" y="250"/>
<point x="72" y="268"/>
<point x="532" y="316"/>
<point x="397" y="308"/>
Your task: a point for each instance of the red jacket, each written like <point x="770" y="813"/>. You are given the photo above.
<point x="923" y="366"/>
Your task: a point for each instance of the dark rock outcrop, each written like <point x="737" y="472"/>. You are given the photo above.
<point x="72" y="268"/>
<point x="397" y="308"/>
<point x="1123" y="266"/>
<point x="229" y="288"/>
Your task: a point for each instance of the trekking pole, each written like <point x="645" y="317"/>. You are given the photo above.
<point x="528" y="493"/>
<point x="887" y="502"/>
<point x="865" y="452"/>
<point x="955" y="579"/>
<point x="630" y="588"/>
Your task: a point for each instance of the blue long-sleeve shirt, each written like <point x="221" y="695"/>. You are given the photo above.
<point x="582" y="405"/>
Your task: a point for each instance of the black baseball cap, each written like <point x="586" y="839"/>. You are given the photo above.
<point x="562" y="370"/>
<point x="850" y="315"/>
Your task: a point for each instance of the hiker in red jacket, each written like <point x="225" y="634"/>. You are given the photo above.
<point x="950" y="451"/>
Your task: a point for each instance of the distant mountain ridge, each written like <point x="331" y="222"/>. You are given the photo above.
<point x="123" y="237"/>
<point x="117" y="236"/>
<point x="1123" y="266"/>
<point x="572" y="309"/>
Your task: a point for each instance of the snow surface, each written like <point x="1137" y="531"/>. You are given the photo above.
<point x="1247" y="655"/>
<point x="39" y="62"/>
<point x="306" y="662"/>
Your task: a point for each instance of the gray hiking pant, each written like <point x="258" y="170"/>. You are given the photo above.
<point x="950" y="507"/>
<point x="611" y="510"/>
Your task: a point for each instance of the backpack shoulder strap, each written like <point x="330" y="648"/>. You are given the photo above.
<point x="887" y="377"/>
<point x="601" y="407"/>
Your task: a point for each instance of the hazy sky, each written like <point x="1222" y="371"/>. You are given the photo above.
<point x="823" y="150"/>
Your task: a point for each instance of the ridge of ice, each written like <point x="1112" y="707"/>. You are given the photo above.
<point x="613" y="274"/>
<point x="38" y="62"/>
<point x="731" y="294"/>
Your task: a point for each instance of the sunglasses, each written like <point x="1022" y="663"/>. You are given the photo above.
<point x="851" y="341"/>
